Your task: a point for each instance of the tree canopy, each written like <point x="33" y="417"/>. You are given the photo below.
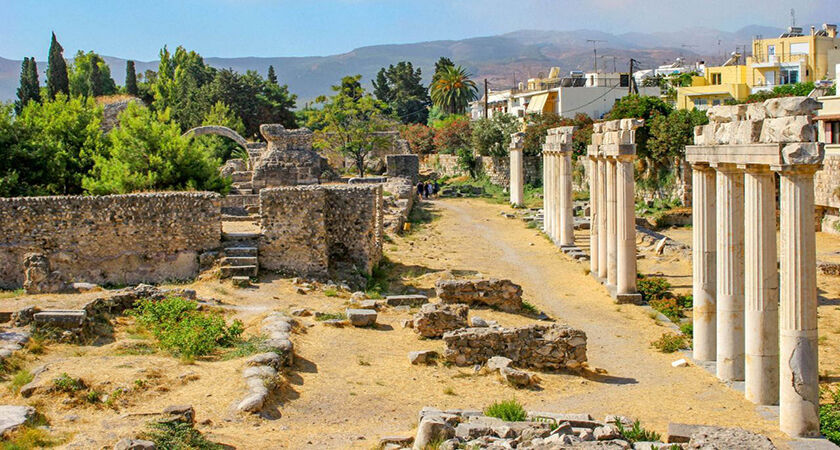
<point x="453" y="90"/>
<point x="57" y="81"/>
<point x="29" y="89"/>
<point x="401" y="88"/>
<point x="90" y="75"/>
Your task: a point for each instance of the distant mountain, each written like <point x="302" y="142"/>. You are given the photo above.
<point x="501" y="59"/>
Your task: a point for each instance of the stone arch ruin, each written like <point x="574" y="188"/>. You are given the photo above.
<point x="218" y="130"/>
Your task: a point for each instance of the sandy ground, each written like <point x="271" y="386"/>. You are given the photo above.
<point x="351" y="386"/>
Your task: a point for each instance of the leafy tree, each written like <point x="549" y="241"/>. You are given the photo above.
<point x="491" y="137"/>
<point x="130" y="78"/>
<point x="639" y="107"/>
<point x="57" y="143"/>
<point x="666" y="147"/>
<point x="421" y="139"/>
<point x="90" y="75"/>
<point x="271" y="77"/>
<point x="220" y="147"/>
<point x="536" y="130"/>
<point x="454" y="134"/>
<point x="29" y="89"/>
<point x="453" y="90"/>
<point x="442" y="64"/>
<point x="349" y="121"/>
<point x="178" y="87"/>
<point x="239" y="93"/>
<point x="277" y="105"/>
<point x="148" y="153"/>
<point x="57" y="81"/>
<point x="401" y="87"/>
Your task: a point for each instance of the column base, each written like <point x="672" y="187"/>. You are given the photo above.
<point x="631" y="299"/>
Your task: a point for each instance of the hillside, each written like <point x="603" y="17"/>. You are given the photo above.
<point x="501" y="59"/>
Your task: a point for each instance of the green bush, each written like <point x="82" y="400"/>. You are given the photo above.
<point x="636" y="433"/>
<point x="830" y="418"/>
<point x="178" y="436"/>
<point x="68" y="384"/>
<point x="653" y="288"/>
<point x="507" y="410"/>
<point x="670" y="343"/>
<point x="668" y="307"/>
<point x="687" y="329"/>
<point x="183" y="330"/>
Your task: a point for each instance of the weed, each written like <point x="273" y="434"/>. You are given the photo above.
<point x="11" y="294"/>
<point x="449" y="391"/>
<point x="687" y="329"/>
<point x="668" y="307"/>
<point x="830" y="417"/>
<point x="93" y="396"/>
<point x="183" y="330"/>
<point x="330" y="316"/>
<point x="29" y="437"/>
<point x="35" y="346"/>
<point x="670" y="343"/>
<point x="178" y="435"/>
<point x="19" y="379"/>
<point x="135" y="349"/>
<point x="653" y="288"/>
<point x="330" y="292"/>
<point x="246" y="347"/>
<point x="529" y="308"/>
<point x="362" y="361"/>
<point x="68" y="384"/>
<point x="636" y="433"/>
<point x="507" y="410"/>
<point x="140" y="383"/>
<point x="435" y="444"/>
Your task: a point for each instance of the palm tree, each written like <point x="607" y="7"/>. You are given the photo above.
<point x="453" y="90"/>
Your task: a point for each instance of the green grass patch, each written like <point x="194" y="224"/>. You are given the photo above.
<point x="30" y="437"/>
<point x="19" y="379"/>
<point x="178" y="435"/>
<point x="11" y="294"/>
<point x="636" y="433"/>
<point x="67" y="384"/>
<point x="687" y="329"/>
<point x="331" y="292"/>
<point x="529" y="308"/>
<point x="331" y="316"/>
<point x="507" y="410"/>
<point x="246" y="347"/>
<point x="183" y="330"/>
<point x="830" y="416"/>
<point x="670" y="343"/>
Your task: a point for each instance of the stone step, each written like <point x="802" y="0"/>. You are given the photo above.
<point x="243" y="185"/>
<point x="239" y="237"/>
<point x="239" y="261"/>
<point x="240" y="218"/>
<point x="241" y="176"/>
<point x="239" y="191"/>
<point x="238" y="271"/>
<point x="241" y="251"/>
<point x="61" y="318"/>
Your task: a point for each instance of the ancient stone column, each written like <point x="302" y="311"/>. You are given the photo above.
<point x="602" y="218"/>
<point x="517" y="188"/>
<point x="545" y="190"/>
<point x="548" y="192"/>
<point x="799" y="379"/>
<point x="594" y="182"/>
<point x="555" y="198"/>
<point x="761" y="287"/>
<point x="567" y="225"/>
<point x="730" y="273"/>
<point x="625" y="230"/>
<point x="704" y="270"/>
<point x="612" y="237"/>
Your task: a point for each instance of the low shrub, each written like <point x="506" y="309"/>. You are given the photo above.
<point x="30" y="437"/>
<point x="687" y="329"/>
<point x="670" y="343"/>
<point x="636" y="433"/>
<point x="507" y="410"/>
<point x="529" y="308"/>
<point x="830" y="417"/>
<point x="330" y="316"/>
<point x="66" y="383"/>
<point x="653" y="288"/>
<point x="178" y="435"/>
<point x="185" y="331"/>
<point x="668" y="307"/>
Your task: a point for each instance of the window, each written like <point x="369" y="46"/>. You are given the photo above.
<point x="716" y="78"/>
<point x="700" y="102"/>
<point x="771" y="50"/>
<point x="716" y="102"/>
<point x="789" y="75"/>
<point x="799" y="48"/>
<point x="832" y="132"/>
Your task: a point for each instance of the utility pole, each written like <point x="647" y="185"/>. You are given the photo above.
<point x="595" y="50"/>
<point x="631" y="85"/>
<point x="485" y="98"/>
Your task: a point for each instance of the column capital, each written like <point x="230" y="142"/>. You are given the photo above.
<point x="701" y="166"/>
<point x="797" y="169"/>
<point x="755" y="168"/>
<point x="726" y="167"/>
<point x="625" y="158"/>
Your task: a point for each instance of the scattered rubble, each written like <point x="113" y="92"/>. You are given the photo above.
<point x="260" y="373"/>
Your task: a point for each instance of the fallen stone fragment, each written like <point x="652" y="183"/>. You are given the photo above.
<point x="606" y="432"/>
<point x="413" y="301"/>
<point x="679" y="363"/>
<point x="432" y="429"/>
<point x="301" y="312"/>
<point x="730" y="439"/>
<point x="134" y="444"/>
<point x="433" y="320"/>
<point x="501" y="294"/>
<point x="516" y="378"/>
<point x="12" y="417"/>
<point x="498" y="362"/>
<point x="422" y="357"/>
<point x="361" y="317"/>
<point x="478" y="322"/>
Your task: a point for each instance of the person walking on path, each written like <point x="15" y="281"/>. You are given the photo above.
<point x="421" y="190"/>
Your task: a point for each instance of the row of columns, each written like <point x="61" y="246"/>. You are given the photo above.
<point x="757" y="321"/>
<point x="558" y="217"/>
<point x="612" y="207"/>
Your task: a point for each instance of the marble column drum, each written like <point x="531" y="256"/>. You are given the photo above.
<point x="704" y="271"/>
<point x="625" y="227"/>
<point x="612" y="237"/>
<point x="602" y="218"/>
<point x="761" y="287"/>
<point x="567" y="226"/>
<point x="730" y="273"/>
<point x="594" y="189"/>
<point x="799" y="379"/>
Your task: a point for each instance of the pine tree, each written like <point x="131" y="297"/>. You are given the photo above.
<point x="272" y="77"/>
<point x="95" y="79"/>
<point x="130" y="78"/>
<point x="57" y="81"/>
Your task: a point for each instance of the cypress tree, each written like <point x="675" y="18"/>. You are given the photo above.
<point x="23" y="93"/>
<point x="57" y="81"/>
<point x="272" y="77"/>
<point x="32" y="78"/>
<point x="95" y="79"/>
<point x="130" y="78"/>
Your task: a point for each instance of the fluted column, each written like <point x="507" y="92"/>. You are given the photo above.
<point x="704" y="233"/>
<point x="761" y="287"/>
<point x="625" y="228"/>
<point x="549" y="160"/>
<point x="612" y="238"/>
<point x="517" y="188"/>
<point x="799" y="379"/>
<point x="567" y="226"/>
<point x="602" y="218"/>
<point x="594" y="181"/>
<point x="555" y="192"/>
<point x="730" y="273"/>
<point x="545" y="190"/>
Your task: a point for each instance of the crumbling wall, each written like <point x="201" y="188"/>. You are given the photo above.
<point x="288" y="160"/>
<point x="118" y="239"/>
<point x="403" y="166"/>
<point x="496" y="169"/>
<point x="321" y="231"/>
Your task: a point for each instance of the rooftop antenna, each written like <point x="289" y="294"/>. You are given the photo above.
<point x="595" y="49"/>
<point x="792" y="17"/>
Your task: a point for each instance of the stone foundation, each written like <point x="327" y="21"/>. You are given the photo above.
<point x="118" y="239"/>
<point x="534" y="346"/>
<point x="404" y="166"/>
<point x="501" y="294"/>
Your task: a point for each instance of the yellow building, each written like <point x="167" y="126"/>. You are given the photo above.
<point x="788" y="59"/>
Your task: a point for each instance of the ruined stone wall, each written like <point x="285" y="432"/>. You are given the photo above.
<point x="288" y="159"/>
<point x="119" y="239"/>
<point x="497" y="169"/>
<point x="826" y="182"/>
<point x="321" y="231"/>
<point x="403" y="166"/>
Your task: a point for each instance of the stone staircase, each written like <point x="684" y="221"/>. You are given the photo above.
<point x="241" y="259"/>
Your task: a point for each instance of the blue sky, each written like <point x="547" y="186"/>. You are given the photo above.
<point x="138" y="29"/>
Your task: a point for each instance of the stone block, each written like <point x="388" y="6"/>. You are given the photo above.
<point x="414" y="301"/>
<point x="729" y="438"/>
<point x="791" y="106"/>
<point x="433" y="320"/>
<point x="598" y="128"/>
<point x="502" y="294"/>
<point x="12" y="417"/>
<point x="746" y="132"/>
<point x="612" y="125"/>
<point x="723" y="133"/>
<point x="803" y="153"/>
<point x="361" y="317"/>
<point x="422" y="357"/>
<point x="788" y="129"/>
<point x="726" y="113"/>
<point x="432" y="429"/>
<point x="698" y="135"/>
<point x="60" y="318"/>
<point x="756" y="111"/>
<point x="632" y="124"/>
